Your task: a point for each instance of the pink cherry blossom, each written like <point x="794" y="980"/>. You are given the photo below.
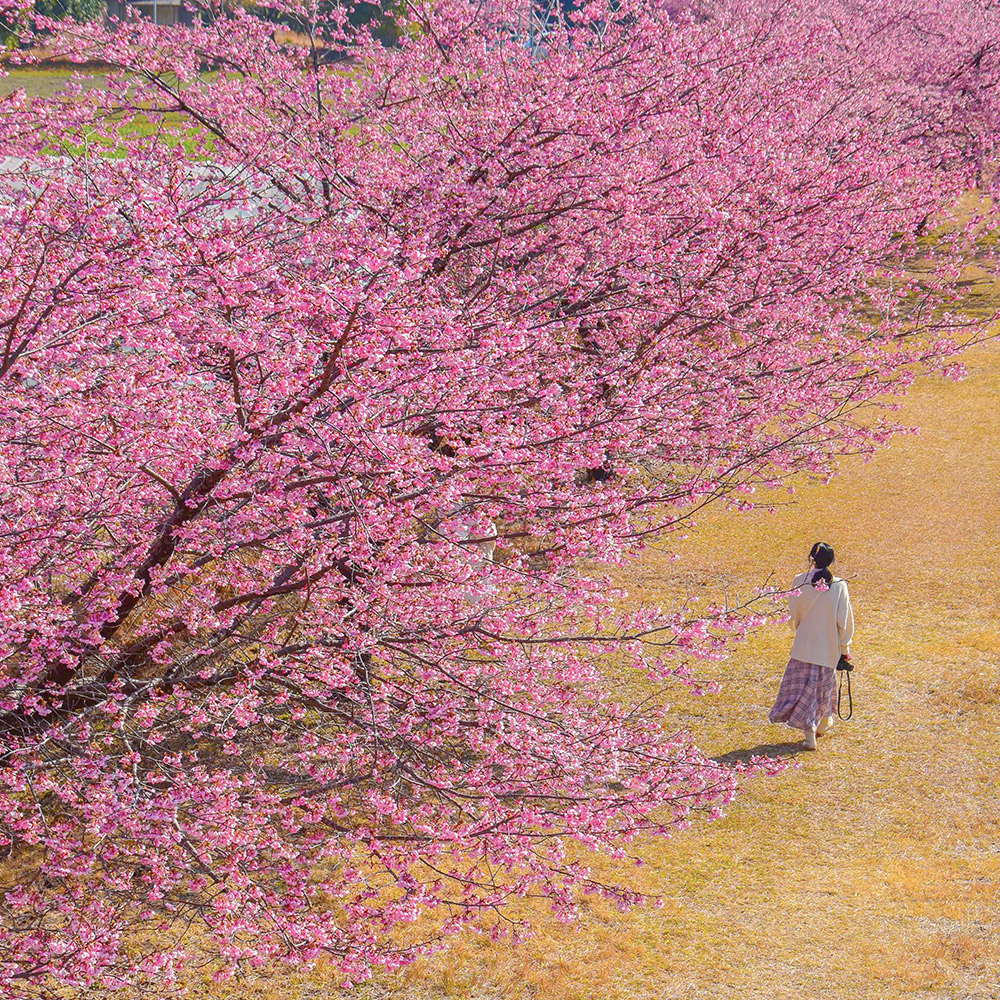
<point x="336" y="379"/>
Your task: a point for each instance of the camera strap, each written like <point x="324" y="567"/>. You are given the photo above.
<point x="840" y="691"/>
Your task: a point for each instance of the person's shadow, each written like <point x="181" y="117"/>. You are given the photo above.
<point x="773" y="750"/>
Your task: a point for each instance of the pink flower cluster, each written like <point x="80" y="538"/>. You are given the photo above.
<point x="330" y="374"/>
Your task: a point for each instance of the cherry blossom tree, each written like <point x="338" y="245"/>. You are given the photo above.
<point x="332" y="373"/>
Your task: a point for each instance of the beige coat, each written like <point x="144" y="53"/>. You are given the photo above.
<point x="823" y="621"/>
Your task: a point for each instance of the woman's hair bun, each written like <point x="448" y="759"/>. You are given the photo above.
<point x="822" y="555"/>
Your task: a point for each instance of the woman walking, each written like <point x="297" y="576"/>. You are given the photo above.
<point x="824" y="626"/>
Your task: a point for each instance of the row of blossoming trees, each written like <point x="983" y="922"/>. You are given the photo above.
<point x="290" y="334"/>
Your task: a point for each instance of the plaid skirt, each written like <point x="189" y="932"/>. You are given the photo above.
<point x="808" y="692"/>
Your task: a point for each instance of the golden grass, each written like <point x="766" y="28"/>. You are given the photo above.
<point x="872" y="870"/>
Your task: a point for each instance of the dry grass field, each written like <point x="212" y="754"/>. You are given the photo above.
<point x="870" y="870"/>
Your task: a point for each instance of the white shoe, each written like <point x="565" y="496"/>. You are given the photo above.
<point x="810" y="739"/>
<point x="825" y="725"/>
